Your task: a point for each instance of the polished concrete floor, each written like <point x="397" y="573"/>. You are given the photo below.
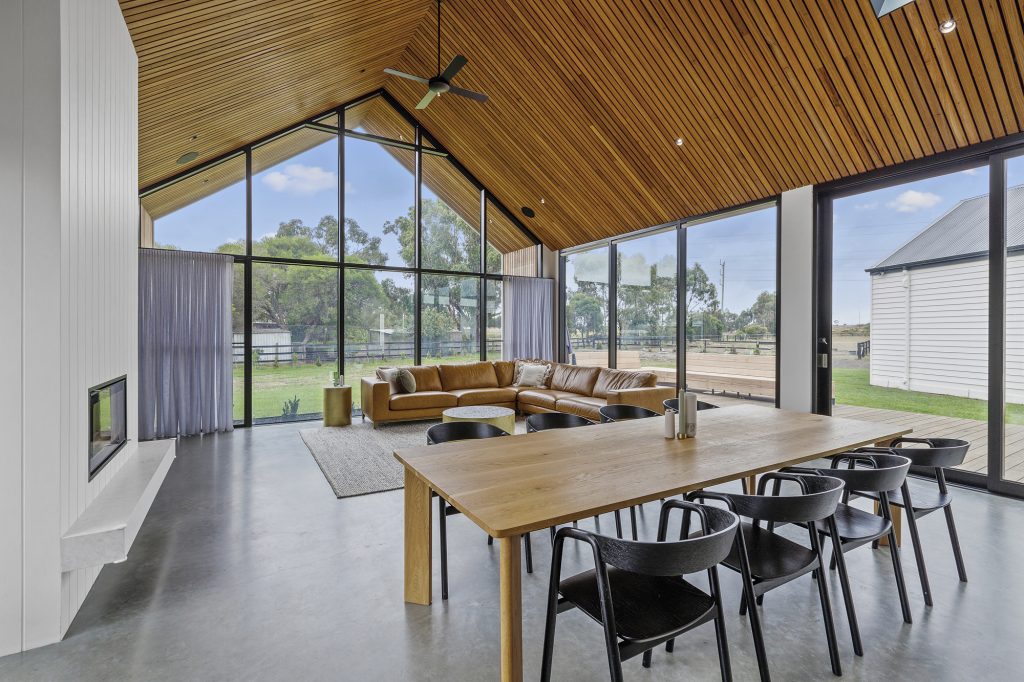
<point x="248" y="568"/>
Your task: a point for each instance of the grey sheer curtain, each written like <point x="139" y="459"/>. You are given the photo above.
<point x="185" y="381"/>
<point x="528" y="309"/>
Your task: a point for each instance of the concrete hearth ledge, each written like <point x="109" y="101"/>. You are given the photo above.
<point x="105" y="532"/>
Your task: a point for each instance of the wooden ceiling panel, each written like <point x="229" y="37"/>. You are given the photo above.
<point x="588" y="96"/>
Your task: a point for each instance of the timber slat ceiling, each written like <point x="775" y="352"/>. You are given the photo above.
<point x="588" y="96"/>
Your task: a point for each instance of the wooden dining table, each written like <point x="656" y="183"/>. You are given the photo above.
<point x="515" y="485"/>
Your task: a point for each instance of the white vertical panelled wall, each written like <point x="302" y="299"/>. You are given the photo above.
<point x="69" y="137"/>
<point x="929" y="329"/>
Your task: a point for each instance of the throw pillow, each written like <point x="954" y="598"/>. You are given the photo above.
<point x="406" y="380"/>
<point x="533" y="375"/>
<point x="520" y="364"/>
<point x="390" y="375"/>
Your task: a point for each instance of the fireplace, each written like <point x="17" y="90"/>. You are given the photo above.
<point x="108" y="422"/>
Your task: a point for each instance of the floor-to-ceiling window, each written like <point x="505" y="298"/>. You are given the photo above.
<point x="395" y="281"/>
<point x="910" y="314"/>
<point x="731" y="303"/>
<point x="586" y="307"/>
<point x="709" y="284"/>
<point x="646" y="309"/>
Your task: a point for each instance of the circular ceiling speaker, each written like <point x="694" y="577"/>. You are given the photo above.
<point x="188" y="157"/>
<point x="527" y="211"/>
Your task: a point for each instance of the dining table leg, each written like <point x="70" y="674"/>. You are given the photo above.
<point x="510" y="572"/>
<point x="418" y="571"/>
<point x="897" y="512"/>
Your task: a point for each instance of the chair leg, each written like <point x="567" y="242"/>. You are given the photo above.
<point x="552" y="529"/>
<point x="529" y="552"/>
<point x="901" y="581"/>
<point x="647" y="659"/>
<point x="632" y="520"/>
<point x="955" y="540"/>
<point x="490" y="541"/>
<point x="549" y="624"/>
<point x="922" y="571"/>
<point x="442" y="523"/>
<point x="851" y="612"/>
<point x="826" y="606"/>
<point x="720" y="636"/>
<point x="618" y="524"/>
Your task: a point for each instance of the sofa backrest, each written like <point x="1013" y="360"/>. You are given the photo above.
<point x="620" y="379"/>
<point x="427" y="377"/>
<point x="575" y="379"/>
<point x="472" y="375"/>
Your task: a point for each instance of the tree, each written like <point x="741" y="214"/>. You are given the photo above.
<point x="448" y="242"/>
<point x="762" y="312"/>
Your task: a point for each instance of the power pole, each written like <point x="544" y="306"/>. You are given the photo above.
<point x="721" y="264"/>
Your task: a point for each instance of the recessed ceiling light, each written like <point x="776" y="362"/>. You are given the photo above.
<point x="948" y="26"/>
<point x="194" y="137"/>
<point x="679" y="142"/>
<point x="527" y="211"/>
<point x="542" y="200"/>
<point x="188" y="157"/>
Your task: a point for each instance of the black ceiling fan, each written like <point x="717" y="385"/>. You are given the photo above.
<point x="442" y="82"/>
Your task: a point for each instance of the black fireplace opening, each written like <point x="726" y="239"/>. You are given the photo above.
<point x="108" y="422"/>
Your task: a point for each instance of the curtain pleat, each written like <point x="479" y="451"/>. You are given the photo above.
<point x="528" y="304"/>
<point x="185" y="344"/>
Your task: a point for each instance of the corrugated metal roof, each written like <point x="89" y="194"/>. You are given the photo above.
<point x="960" y="233"/>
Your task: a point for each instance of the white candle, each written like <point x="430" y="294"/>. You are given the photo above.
<point x="691" y="415"/>
<point x="670" y="424"/>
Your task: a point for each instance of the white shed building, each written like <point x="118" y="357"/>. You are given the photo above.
<point x="929" y="306"/>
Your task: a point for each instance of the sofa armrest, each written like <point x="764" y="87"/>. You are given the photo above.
<point x="651" y="397"/>
<point x="374" y="398"/>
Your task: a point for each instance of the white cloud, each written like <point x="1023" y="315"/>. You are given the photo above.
<point x="349" y="189"/>
<point x="970" y="171"/>
<point x="912" y="201"/>
<point x="297" y="178"/>
<point x="870" y="206"/>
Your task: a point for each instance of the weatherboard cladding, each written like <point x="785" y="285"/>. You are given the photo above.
<point x="960" y="234"/>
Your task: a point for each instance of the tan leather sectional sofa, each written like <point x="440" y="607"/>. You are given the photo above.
<point x="571" y="388"/>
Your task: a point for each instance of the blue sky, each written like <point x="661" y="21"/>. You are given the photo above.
<point x="870" y="226"/>
<point x="378" y="189"/>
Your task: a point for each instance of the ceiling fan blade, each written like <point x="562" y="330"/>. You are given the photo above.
<point x="478" y="96"/>
<point x="454" y="66"/>
<point x="427" y="99"/>
<point x="402" y="74"/>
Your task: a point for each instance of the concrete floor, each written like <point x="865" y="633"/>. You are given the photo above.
<point x="248" y="568"/>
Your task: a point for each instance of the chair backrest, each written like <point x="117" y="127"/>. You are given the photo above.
<point x="673" y="404"/>
<point x="450" y="431"/>
<point x="621" y="412"/>
<point x="939" y="453"/>
<point x="868" y="472"/>
<point x="680" y="557"/>
<point x="555" y="420"/>
<point x="819" y="497"/>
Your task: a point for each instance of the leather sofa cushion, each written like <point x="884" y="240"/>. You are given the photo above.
<point x="584" y="406"/>
<point x="505" y="370"/>
<point x="472" y="375"/>
<point x="618" y="379"/>
<point x="575" y="379"/>
<point x="543" y="397"/>
<point x="427" y="378"/>
<point x="484" y="396"/>
<point x="422" y="400"/>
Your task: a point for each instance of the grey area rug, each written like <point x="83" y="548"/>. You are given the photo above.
<point x="358" y="459"/>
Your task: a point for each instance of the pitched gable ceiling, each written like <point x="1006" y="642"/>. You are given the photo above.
<point x="587" y="97"/>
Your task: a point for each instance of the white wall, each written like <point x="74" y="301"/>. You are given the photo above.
<point x="69" y="270"/>
<point x="796" y="347"/>
<point x="929" y="329"/>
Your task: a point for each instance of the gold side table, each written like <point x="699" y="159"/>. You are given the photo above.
<point x="337" y="405"/>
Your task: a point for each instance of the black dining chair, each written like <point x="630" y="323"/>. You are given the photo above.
<point x="673" y="404"/>
<point x="446" y="433"/>
<point x="555" y="420"/>
<point x="766" y="560"/>
<point x="923" y="497"/>
<point x="850" y="527"/>
<point x="637" y="591"/>
<point x="621" y="413"/>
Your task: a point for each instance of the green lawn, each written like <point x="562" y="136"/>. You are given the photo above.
<point x="853" y="388"/>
